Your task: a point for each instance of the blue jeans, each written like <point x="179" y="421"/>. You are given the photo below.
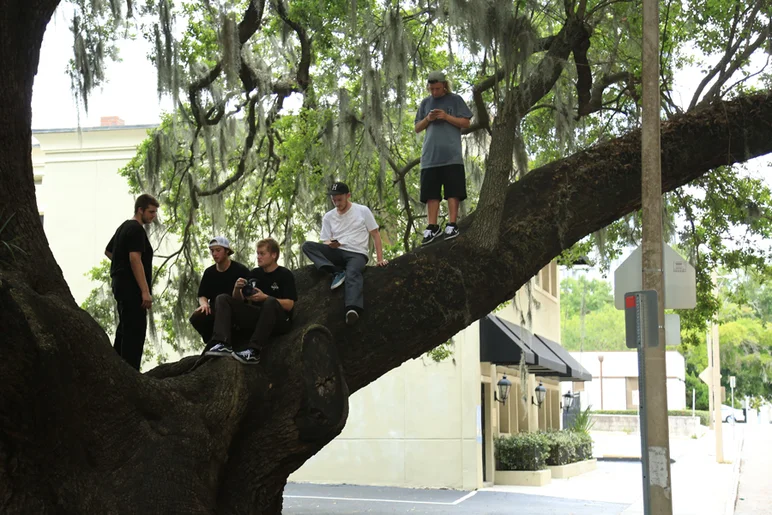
<point x="336" y="260"/>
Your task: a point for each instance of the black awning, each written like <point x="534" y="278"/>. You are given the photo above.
<point x="505" y="343"/>
<point x="576" y="371"/>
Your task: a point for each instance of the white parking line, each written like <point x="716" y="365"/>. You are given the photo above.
<point x="464" y="498"/>
<point x="457" y="501"/>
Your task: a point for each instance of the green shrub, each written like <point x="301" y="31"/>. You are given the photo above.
<point x="583" y="446"/>
<point x="583" y="421"/>
<point x="534" y="451"/>
<point x="524" y="451"/>
<point x="703" y="415"/>
<point x="562" y="447"/>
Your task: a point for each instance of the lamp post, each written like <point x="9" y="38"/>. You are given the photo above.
<point x="600" y="359"/>
<point x="503" y="387"/>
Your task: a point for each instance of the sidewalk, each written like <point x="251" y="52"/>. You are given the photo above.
<point x="700" y="485"/>
<point x="754" y="495"/>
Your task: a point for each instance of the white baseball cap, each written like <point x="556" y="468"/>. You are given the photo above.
<point x="221" y="241"/>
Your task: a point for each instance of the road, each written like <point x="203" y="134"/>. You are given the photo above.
<point x="349" y="499"/>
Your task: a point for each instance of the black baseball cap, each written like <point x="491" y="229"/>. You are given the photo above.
<point x="339" y="188"/>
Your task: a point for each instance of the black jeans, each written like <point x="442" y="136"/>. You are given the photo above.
<point x="204" y="324"/>
<point x="132" y="322"/>
<point x="264" y="320"/>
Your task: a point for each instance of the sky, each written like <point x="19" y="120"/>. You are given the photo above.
<point x="130" y="92"/>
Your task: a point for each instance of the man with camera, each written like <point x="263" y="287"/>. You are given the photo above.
<point x="346" y="232"/>
<point x="131" y="267"/>
<point x="261" y="302"/>
<point x="442" y="115"/>
<point x="217" y="279"/>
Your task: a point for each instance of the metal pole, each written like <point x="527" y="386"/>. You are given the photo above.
<point x="709" y="343"/>
<point x="694" y="396"/>
<point x="716" y="387"/>
<point x="659" y="498"/>
<point x="600" y="359"/>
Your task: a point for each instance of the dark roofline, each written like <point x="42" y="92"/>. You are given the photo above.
<point x="95" y="129"/>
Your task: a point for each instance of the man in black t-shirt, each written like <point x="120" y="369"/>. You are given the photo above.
<point x="262" y="303"/>
<point x="218" y="279"/>
<point x="132" y="266"/>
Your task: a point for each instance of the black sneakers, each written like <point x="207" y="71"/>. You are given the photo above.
<point x="451" y="231"/>
<point x="248" y="356"/>
<point x="220" y="349"/>
<point x="351" y="317"/>
<point x="430" y="234"/>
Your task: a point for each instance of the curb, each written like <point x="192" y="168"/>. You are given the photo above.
<point x="734" y="483"/>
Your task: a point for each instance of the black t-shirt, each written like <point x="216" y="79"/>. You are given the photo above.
<point x="130" y="237"/>
<point x="279" y="284"/>
<point x="214" y="283"/>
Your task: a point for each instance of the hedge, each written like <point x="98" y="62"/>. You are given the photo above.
<point x="704" y="415"/>
<point x="534" y="451"/>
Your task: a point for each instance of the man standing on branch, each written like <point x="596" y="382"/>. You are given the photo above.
<point x="262" y="302"/>
<point x="131" y="270"/>
<point x="442" y="114"/>
<point x="346" y="232"/>
<point x="217" y="279"/>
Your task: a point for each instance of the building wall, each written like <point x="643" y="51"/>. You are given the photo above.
<point x="620" y="385"/>
<point x="81" y="196"/>
<point x="416" y="426"/>
<point x="544" y="305"/>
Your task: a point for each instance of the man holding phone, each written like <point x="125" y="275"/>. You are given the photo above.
<point x="262" y="302"/>
<point x="442" y="115"/>
<point x="343" y="252"/>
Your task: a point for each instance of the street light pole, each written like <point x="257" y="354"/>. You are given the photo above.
<point x="657" y="483"/>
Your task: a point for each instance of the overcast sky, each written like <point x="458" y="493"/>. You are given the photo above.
<point x="130" y="92"/>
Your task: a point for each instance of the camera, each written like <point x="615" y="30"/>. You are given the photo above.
<point x="250" y="288"/>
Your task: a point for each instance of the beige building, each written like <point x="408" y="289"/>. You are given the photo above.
<point x="428" y="424"/>
<point x="81" y="196"/>
<point x="614" y="383"/>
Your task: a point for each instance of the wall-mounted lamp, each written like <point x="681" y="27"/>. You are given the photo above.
<point x="541" y="392"/>
<point x="503" y="387"/>
<point x="568" y="400"/>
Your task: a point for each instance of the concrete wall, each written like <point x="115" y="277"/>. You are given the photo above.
<point x="81" y="196"/>
<point x="416" y="426"/>
<point x="678" y="426"/>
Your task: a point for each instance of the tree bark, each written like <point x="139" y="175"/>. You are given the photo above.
<point x="82" y="432"/>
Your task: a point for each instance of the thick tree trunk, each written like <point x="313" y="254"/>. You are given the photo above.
<point x="81" y="432"/>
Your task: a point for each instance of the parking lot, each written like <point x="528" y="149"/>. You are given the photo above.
<point x="302" y="498"/>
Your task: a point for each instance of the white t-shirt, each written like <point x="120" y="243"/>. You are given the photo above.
<point x="351" y="229"/>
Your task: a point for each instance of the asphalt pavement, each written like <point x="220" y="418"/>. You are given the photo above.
<point x="302" y="498"/>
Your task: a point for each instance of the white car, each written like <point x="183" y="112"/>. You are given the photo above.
<point x="728" y="413"/>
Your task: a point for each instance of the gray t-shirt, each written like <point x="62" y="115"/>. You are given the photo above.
<point x="442" y="144"/>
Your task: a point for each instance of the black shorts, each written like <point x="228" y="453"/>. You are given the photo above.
<point x="450" y="177"/>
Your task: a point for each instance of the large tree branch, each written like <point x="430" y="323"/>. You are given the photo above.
<point x="427" y="296"/>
